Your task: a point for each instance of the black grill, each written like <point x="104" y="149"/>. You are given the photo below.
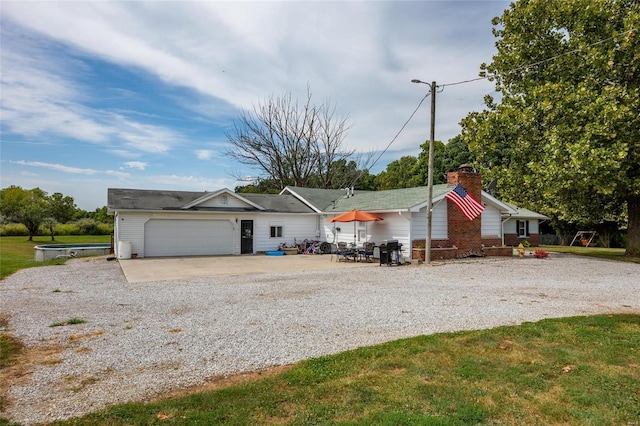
<point x="389" y="252"/>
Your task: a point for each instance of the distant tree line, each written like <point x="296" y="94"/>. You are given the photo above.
<point x="38" y="211"/>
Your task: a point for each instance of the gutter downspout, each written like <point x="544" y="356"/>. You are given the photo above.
<point x="502" y="228"/>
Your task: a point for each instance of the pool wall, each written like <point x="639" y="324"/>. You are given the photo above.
<point x="52" y="251"/>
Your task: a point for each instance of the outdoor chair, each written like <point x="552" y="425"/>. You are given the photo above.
<point x="367" y="250"/>
<point x="343" y="252"/>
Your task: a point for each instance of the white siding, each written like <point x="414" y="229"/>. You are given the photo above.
<point x="224" y="201"/>
<point x="439" y="230"/>
<point x="363" y="231"/>
<point x="510" y="226"/>
<point x="392" y="227"/>
<point x="131" y="228"/>
<point x="491" y="226"/>
<point x="295" y="227"/>
<point x="395" y="227"/>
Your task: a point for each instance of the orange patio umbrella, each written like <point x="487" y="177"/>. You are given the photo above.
<point x="355" y="216"/>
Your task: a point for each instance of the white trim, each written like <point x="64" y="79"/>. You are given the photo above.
<point x="225" y="191"/>
<point x="299" y="197"/>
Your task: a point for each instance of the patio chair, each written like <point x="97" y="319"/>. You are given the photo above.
<point x="367" y="250"/>
<point x="343" y="252"/>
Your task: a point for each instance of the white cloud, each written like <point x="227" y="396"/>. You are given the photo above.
<point x="120" y="175"/>
<point x="56" y="167"/>
<point x="140" y="165"/>
<point x="204" y="154"/>
<point x="43" y="98"/>
<point x="362" y="54"/>
<point x="70" y="169"/>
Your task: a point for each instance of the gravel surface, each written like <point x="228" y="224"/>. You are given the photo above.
<point x="143" y="340"/>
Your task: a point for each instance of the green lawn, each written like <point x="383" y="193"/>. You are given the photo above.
<point x="17" y="252"/>
<point x="571" y="371"/>
<point x="600" y="252"/>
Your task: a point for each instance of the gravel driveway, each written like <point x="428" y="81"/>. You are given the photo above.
<point x="142" y="340"/>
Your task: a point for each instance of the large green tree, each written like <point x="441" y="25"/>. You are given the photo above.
<point x="28" y="207"/>
<point x="62" y="208"/>
<point x="565" y="135"/>
<point x="446" y="158"/>
<point x="398" y="174"/>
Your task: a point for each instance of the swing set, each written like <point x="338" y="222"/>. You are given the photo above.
<point x="585" y="238"/>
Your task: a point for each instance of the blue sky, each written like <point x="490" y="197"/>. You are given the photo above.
<point x="130" y="94"/>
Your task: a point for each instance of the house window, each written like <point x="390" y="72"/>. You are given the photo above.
<point x="523" y="228"/>
<point x="276" y="231"/>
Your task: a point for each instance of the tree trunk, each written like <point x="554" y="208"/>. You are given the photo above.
<point x="633" y="230"/>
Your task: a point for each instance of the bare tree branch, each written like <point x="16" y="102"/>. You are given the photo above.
<point x="291" y="143"/>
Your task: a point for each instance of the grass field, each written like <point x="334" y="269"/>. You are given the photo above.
<point x="600" y="252"/>
<point x="571" y="371"/>
<point x="17" y="252"/>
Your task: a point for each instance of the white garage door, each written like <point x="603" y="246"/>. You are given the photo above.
<point x="164" y="237"/>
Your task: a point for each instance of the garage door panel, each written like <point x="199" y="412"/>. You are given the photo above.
<point x="164" y="237"/>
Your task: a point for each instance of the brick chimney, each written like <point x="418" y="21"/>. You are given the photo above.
<point x="464" y="233"/>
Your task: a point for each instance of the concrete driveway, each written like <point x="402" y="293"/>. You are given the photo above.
<point x="184" y="268"/>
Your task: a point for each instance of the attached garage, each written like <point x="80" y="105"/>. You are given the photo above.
<point x="181" y="237"/>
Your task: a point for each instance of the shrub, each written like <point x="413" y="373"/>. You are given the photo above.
<point x="13" y="230"/>
<point x="67" y="229"/>
<point x="105" y="229"/>
<point x="88" y="226"/>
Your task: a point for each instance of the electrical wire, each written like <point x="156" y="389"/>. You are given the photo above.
<point x="442" y="86"/>
<point x="392" y="140"/>
<point x="553" y="58"/>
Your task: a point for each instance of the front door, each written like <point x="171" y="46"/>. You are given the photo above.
<point x="246" y="236"/>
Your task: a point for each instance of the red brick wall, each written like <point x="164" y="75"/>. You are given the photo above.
<point x="492" y="242"/>
<point x="514" y="240"/>
<point x="464" y="233"/>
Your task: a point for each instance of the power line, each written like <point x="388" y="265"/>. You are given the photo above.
<point x="402" y="128"/>
<point x="442" y="86"/>
<point x="553" y="58"/>
<point x="392" y="140"/>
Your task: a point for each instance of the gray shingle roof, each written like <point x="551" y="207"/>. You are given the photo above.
<point x="523" y="213"/>
<point x="317" y="197"/>
<point x="146" y="199"/>
<point x="278" y="203"/>
<point x="326" y="200"/>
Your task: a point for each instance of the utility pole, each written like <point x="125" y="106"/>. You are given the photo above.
<point x="427" y="245"/>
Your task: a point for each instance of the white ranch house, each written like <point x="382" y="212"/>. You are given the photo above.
<point x="155" y="223"/>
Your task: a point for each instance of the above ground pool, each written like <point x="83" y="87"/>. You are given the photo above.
<point x="53" y="251"/>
